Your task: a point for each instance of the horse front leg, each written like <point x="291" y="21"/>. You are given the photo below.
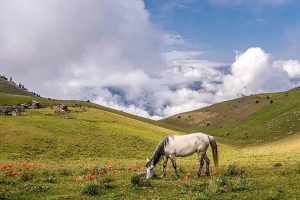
<point x="201" y="163"/>
<point x="165" y="162"/>
<point x="207" y="165"/>
<point x="174" y="166"/>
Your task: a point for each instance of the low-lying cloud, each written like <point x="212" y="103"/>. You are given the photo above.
<point x="111" y="53"/>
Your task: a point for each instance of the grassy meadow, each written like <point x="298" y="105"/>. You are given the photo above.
<point x="51" y="156"/>
<point x="94" y="152"/>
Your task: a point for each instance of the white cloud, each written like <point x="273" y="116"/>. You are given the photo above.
<point x="110" y="52"/>
<point x="292" y="67"/>
<point x="58" y="41"/>
<point x="253" y="72"/>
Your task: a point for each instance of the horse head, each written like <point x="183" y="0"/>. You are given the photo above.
<point x="151" y="169"/>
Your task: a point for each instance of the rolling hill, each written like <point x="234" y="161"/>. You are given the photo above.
<point x="65" y="149"/>
<point x="250" y="119"/>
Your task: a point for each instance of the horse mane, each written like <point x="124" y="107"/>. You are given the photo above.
<point x="159" y="151"/>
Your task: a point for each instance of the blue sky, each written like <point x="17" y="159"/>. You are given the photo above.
<point x="218" y="29"/>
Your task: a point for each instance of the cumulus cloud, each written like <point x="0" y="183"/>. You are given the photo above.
<point x="71" y="41"/>
<point x="252" y="72"/>
<point x="292" y="67"/>
<point x="111" y="53"/>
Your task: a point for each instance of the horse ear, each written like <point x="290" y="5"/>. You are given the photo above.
<point x="148" y="160"/>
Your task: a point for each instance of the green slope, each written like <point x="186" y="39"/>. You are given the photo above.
<point x="41" y="134"/>
<point x="11" y="88"/>
<point x="250" y="119"/>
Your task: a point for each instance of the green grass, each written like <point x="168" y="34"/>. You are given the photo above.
<point x="78" y="141"/>
<point x="67" y="148"/>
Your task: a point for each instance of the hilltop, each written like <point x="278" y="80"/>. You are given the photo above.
<point x="11" y="88"/>
<point x="250" y="119"/>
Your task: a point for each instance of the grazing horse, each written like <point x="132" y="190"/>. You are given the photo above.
<point x="182" y="146"/>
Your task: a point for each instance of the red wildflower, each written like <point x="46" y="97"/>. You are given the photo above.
<point x="101" y="172"/>
<point x="186" y="178"/>
<point x="90" y="177"/>
<point x="94" y="169"/>
<point x="11" y="173"/>
<point x="7" y="166"/>
<point x="129" y="168"/>
<point x="14" y="173"/>
<point x="78" y="180"/>
<point x="29" y="165"/>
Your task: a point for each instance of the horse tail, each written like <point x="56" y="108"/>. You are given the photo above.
<point x="214" y="148"/>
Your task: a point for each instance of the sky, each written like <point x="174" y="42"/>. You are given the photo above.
<point x="151" y="58"/>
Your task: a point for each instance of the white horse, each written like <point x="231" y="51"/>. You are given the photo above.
<point x="182" y="146"/>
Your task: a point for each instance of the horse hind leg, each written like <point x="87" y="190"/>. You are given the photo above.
<point x="174" y="166"/>
<point x="201" y="162"/>
<point x="207" y="165"/>
<point x="165" y="162"/>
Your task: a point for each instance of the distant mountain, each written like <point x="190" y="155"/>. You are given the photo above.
<point x="250" y="119"/>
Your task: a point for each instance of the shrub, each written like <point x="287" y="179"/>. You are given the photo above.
<point x="277" y="164"/>
<point x="27" y="176"/>
<point x="239" y="184"/>
<point x="140" y="181"/>
<point x="51" y="179"/>
<point x="234" y="170"/>
<point x="91" y="188"/>
<point x="84" y="171"/>
<point x="211" y="186"/>
<point x="34" y="188"/>
<point x="218" y="185"/>
<point x="65" y="172"/>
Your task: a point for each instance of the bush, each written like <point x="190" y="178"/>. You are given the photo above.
<point x="91" y="188"/>
<point x="277" y="164"/>
<point x="65" y="172"/>
<point x="84" y="171"/>
<point x="211" y="186"/>
<point x="27" y="176"/>
<point x="239" y="184"/>
<point x="140" y="181"/>
<point x="51" y="179"/>
<point x="34" y="188"/>
<point x="217" y="185"/>
<point x="234" y="170"/>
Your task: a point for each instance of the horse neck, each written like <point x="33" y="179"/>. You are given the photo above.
<point x="159" y="151"/>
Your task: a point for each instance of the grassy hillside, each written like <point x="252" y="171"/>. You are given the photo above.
<point x="64" y="149"/>
<point x="39" y="134"/>
<point x="250" y="119"/>
<point x="11" y="88"/>
<point x="44" y="155"/>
